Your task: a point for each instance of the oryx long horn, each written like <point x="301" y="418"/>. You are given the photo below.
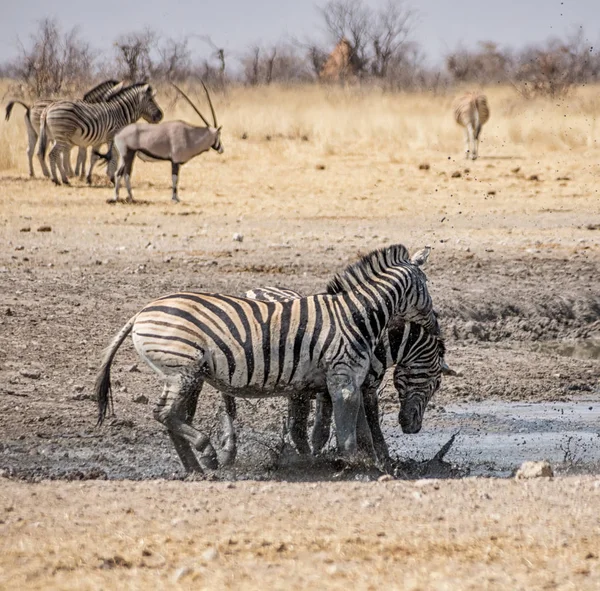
<point x="185" y="96"/>
<point x="212" y="110"/>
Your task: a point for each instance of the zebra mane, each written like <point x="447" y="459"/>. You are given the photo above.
<point x="100" y="89"/>
<point x="126" y="89"/>
<point x="379" y="259"/>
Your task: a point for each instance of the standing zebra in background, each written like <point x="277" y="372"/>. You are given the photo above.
<point x="75" y="123"/>
<point x="255" y="349"/>
<point x="99" y="93"/>
<point x="471" y="110"/>
<point x="419" y="359"/>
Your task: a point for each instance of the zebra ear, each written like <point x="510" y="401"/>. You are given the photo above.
<point x="114" y="90"/>
<point x="420" y="257"/>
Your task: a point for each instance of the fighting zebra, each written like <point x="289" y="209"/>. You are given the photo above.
<point x="471" y="110"/>
<point x="75" y="123"/>
<point x="33" y="114"/>
<point x="255" y="349"/>
<point x="419" y="359"/>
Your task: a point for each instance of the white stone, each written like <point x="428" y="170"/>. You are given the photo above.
<point x="534" y="470"/>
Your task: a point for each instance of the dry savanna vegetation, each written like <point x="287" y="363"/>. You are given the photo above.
<point x="311" y="177"/>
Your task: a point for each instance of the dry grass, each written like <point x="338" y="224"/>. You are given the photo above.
<point x="355" y="121"/>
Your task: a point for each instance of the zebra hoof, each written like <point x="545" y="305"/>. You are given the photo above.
<point x="210" y="461"/>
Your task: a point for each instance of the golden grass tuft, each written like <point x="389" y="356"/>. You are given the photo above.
<point x="355" y="121"/>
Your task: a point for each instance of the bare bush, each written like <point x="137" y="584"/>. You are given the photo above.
<point x="485" y="65"/>
<point x="281" y="63"/>
<point x="54" y="62"/>
<point x="134" y="55"/>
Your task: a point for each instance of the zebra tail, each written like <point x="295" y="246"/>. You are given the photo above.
<point x="10" y="106"/>
<point x="102" y="387"/>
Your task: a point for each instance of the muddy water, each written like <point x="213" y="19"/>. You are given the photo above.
<point x="496" y="437"/>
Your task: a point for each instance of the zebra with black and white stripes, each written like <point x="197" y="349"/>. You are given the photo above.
<point x="418" y="357"/>
<point x="471" y="111"/>
<point x="33" y="114"/>
<point x="75" y="123"/>
<point x="255" y="349"/>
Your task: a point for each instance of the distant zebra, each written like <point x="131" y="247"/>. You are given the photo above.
<point x="32" y="122"/>
<point x="257" y="349"/>
<point x="75" y="123"/>
<point x="471" y="111"/>
<point x="419" y="359"/>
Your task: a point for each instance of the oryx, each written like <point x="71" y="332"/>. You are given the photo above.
<point x="175" y="141"/>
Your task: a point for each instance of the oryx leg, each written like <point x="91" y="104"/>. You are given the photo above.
<point x="175" y="410"/>
<point x="298" y="411"/>
<point x="346" y="397"/>
<point x="175" y="177"/>
<point x="111" y="167"/>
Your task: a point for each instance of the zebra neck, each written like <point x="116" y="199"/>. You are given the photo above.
<point x="367" y="316"/>
<point x="127" y="110"/>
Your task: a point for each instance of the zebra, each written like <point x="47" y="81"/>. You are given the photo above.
<point x="419" y="359"/>
<point x="471" y="110"/>
<point x="32" y="122"/>
<point x="255" y="349"/>
<point x="70" y="123"/>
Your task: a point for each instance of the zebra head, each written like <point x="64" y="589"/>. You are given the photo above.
<point x="416" y="386"/>
<point x="149" y="108"/>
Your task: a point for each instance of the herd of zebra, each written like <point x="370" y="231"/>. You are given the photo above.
<point x="335" y="346"/>
<point x="107" y="114"/>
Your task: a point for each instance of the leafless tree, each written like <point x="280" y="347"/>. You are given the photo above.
<point x="134" y="55"/>
<point x="54" y="62"/>
<point x="487" y="64"/>
<point x="390" y="33"/>
<point x="174" y="62"/>
<point x="351" y="20"/>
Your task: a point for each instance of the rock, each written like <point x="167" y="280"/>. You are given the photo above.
<point x="385" y="478"/>
<point x="182" y="572"/>
<point x="534" y="470"/>
<point x="25" y="229"/>
<point x="320" y="167"/>
<point x="44" y="229"/>
<point x="237" y="237"/>
<point x="424" y="166"/>
<point x="210" y="554"/>
<point x="533" y="177"/>
<point x="141" y="399"/>
<point x="32" y="374"/>
<point x="132" y="368"/>
<point x="78" y="388"/>
<point x="456" y="174"/>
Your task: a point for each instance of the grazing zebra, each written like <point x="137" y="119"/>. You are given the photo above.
<point x="471" y="111"/>
<point x="75" y="123"/>
<point x="419" y="359"/>
<point x="257" y="349"/>
<point x="32" y="122"/>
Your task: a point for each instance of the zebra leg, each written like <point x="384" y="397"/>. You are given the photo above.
<point x="93" y="159"/>
<point x="363" y="433"/>
<point x="67" y="162"/>
<point x="322" y="426"/>
<point x="31" y="142"/>
<point x="475" y="153"/>
<point x="174" y="411"/>
<point x="371" y="404"/>
<point x="346" y="397"/>
<point x="298" y="411"/>
<point x="228" y="439"/>
<point x="468" y="140"/>
<point x="53" y="157"/>
<point x="175" y="177"/>
<point x="81" y="162"/>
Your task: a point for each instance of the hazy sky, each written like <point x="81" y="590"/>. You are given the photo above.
<point x="235" y="24"/>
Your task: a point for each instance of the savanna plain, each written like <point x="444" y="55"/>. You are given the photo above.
<point x="311" y="178"/>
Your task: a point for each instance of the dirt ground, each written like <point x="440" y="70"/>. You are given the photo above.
<point x="515" y="271"/>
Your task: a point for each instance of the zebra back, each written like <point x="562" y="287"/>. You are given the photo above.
<point x="84" y="124"/>
<point x="99" y="92"/>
